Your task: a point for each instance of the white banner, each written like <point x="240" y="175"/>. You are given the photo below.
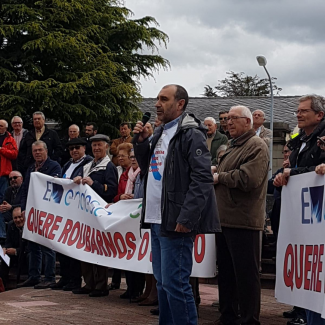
<point x="300" y="272"/>
<point x="71" y="219"/>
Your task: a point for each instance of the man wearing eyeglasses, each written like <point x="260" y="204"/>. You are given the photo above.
<point x="240" y="189"/>
<point x="304" y="158"/>
<point x="223" y="123"/>
<point x="12" y="195"/>
<point x="18" y="131"/>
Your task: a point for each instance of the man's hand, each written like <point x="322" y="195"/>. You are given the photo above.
<point x="215" y="178"/>
<point x="320" y="169"/>
<point x="23" y="214"/>
<point x="141" y="130"/>
<point x="77" y="180"/>
<point x="11" y="251"/>
<point x="213" y="169"/>
<point x="181" y="228"/>
<point x="277" y="182"/>
<point x="286" y="163"/>
<point x="107" y="205"/>
<point x="87" y="180"/>
<point x="5" y="206"/>
<point x="126" y="196"/>
<point x="4" y="251"/>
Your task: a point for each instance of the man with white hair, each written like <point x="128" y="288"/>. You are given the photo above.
<point x="260" y="129"/>
<point x="73" y="133"/>
<point x="18" y="132"/>
<point x="8" y="152"/>
<point x="214" y="138"/>
<point x="241" y="182"/>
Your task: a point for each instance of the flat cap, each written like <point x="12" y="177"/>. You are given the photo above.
<point x="76" y="141"/>
<point x="100" y="137"/>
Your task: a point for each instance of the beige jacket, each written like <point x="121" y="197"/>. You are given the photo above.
<point x="241" y="191"/>
<point x="266" y="135"/>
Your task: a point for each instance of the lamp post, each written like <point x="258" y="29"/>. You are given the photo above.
<point x="262" y="62"/>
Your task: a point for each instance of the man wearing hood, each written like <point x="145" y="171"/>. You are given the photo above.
<point x="179" y="200"/>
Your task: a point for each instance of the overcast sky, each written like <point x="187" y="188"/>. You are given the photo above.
<point x="208" y="38"/>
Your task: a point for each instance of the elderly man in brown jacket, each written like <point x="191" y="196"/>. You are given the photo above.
<point x="241" y="182"/>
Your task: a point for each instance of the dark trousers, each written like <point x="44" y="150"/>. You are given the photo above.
<point x="238" y="276"/>
<point x="135" y="282"/>
<point x="95" y="276"/>
<point x="117" y="275"/>
<point x="70" y="269"/>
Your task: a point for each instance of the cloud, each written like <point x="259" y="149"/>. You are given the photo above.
<point x="209" y="38"/>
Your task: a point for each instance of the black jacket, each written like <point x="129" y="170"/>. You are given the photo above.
<point x="50" y="168"/>
<point x="13" y="199"/>
<point x="309" y="157"/>
<point x="14" y="235"/>
<point x="54" y="148"/>
<point x="105" y="178"/>
<point x="188" y="194"/>
<point x="77" y="171"/>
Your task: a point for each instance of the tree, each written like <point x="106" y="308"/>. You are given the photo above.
<point x="238" y="84"/>
<point x="75" y="60"/>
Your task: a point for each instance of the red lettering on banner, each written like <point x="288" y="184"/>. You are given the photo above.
<point x="108" y="241"/>
<point x="55" y="227"/>
<point x="320" y="268"/>
<point x="100" y="243"/>
<point x="145" y="240"/>
<point x="81" y="242"/>
<point x="309" y="251"/>
<point x="314" y="269"/>
<point x="35" y="221"/>
<point x="199" y="256"/>
<point x="47" y="225"/>
<point x="87" y="239"/>
<point x="299" y="278"/>
<point x="93" y="243"/>
<point x="118" y="237"/>
<point x="65" y="232"/>
<point x="130" y="239"/>
<point x="288" y="274"/>
<point x="29" y="220"/>
<point x="42" y="215"/>
<point x="71" y="240"/>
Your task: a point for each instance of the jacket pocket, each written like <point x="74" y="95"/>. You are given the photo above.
<point x="174" y="204"/>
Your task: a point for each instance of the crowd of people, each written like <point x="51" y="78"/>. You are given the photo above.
<point x="194" y="179"/>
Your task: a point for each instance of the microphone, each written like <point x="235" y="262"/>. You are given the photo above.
<point x="145" y="119"/>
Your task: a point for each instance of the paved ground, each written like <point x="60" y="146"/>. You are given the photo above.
<point x="29" y="306"/>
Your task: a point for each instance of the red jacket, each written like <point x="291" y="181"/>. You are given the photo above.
<point x="122" y="185"/>
<point x="8" y="152"/>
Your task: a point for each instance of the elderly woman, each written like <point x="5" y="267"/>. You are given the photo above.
<point x="101" y="175"/>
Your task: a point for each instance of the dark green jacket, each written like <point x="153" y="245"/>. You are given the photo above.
<point x="218" y="140"/>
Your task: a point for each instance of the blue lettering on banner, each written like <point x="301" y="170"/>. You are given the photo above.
<point x="54" y="192"/>
<point x="316" y="195"/>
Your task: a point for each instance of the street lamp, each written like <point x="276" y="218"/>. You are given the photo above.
<point x="262" y="62"/>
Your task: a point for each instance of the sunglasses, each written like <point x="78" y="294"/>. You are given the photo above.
<point x="13" y="177"/>
<point x="74" y="147"/>
<point x="222" y="118"/>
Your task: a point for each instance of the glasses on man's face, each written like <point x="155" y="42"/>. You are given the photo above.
<point x="17" y="122"/>
<point x="74" y="147"/>
<point x="286" y="151"/>
<point x="234" y="118"/>
<point x="122" y="156"/>
<point x="132" y="157"/>
<point x="302" y="111"/>
<point x="222" y="118"/>
<point x="13" y="177"/>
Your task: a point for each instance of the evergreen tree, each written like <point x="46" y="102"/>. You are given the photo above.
<point x="75" y="60"/>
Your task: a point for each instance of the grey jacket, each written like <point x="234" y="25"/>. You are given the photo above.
<point x="187" y="187"/>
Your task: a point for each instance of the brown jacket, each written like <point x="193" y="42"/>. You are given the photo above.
<point x="241" y="191"/>
<point x="113" y="148"/>
<point x="266" y="135"/>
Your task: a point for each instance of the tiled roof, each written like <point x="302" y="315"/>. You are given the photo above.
<point x="284" y="106"/>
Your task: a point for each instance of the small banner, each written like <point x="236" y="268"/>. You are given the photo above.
<point x="71" y="219"/>
<point x="300" y="264"/>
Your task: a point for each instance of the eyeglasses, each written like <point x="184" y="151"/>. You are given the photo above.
<point x="17" y="122"/>
<point x="122" y="156"/>
<point x="222" y="118"/>
<point x="74" y="147"/>
<point x="132" y="157"/>
<point x="13" y="177"/>
<point x="234" y="118"/>
<point x="286" y="151"/>
<point x="302" y="111"/>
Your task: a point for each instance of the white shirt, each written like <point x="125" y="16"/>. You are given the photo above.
<point x="156" y="172"/>
<point x="72" y="167"/>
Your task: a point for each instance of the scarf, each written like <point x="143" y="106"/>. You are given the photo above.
<point x="132" y="175"/>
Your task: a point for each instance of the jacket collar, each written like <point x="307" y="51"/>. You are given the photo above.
<point x="243" y="138"/>
<point x="102" y="165"/>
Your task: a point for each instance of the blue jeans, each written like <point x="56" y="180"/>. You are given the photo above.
<point x="314" y="318"/>
<point x="3" y="187"/>
<point x="172" y="267"/>
<point x="36" y="253"/>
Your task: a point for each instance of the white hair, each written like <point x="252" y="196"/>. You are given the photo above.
<point x="75" y="126"/>
<point x="210" y="119"/>
<point x="245" y="112"/>
<point x="39" y="113"/>
<point x="21" y="120"/>
<point x="259" y="110"/>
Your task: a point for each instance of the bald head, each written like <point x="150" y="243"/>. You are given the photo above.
<point x="258" y="118"/>
<point x="74" y="131"/>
